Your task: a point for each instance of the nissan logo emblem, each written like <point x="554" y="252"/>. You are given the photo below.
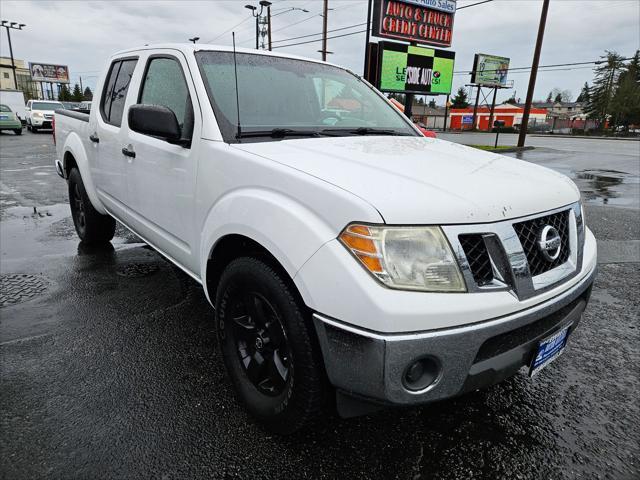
<point x="549" y="243"/>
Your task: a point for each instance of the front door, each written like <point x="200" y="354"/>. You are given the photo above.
<point x="162" y="176"/>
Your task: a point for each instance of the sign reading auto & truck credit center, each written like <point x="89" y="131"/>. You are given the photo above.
<point x="420" y="70"/>
<point x="420" y="21"/>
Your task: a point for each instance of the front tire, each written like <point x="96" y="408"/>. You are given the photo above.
<point x="92" y="227"/>
<point x="267" y="344"/>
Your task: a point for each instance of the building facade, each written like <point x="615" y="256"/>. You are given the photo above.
<point x="30" y="88"/>
<point x="511" y="115"/>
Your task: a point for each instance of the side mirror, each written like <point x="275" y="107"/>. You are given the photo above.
<point x="155" y="120"/>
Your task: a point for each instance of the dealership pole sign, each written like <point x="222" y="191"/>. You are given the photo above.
<point x="44" y="72"/>
<point x="410" y="69"/>
<point x="421" y="21"/>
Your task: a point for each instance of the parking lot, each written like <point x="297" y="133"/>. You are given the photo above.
<point x="108" y="365"/>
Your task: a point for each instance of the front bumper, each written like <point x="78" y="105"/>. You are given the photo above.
<point x="41" y="122"/>
<point x="372" y="366"/>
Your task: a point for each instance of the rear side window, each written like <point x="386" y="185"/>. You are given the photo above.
<point x="115" y="92"/>
<point x="164" y="84"/>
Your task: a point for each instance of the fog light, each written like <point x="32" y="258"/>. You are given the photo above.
<point x="421" y="374"/>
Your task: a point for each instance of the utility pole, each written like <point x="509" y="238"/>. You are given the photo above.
<point x="325" y="13"/>
<point x="81" y="89"/>
<point x="366" y="42"/>
<point x="269" y="24"/>
<point x="534" y="73"/>
<point x="17" y="26"/>
<point x="258" y="16"/>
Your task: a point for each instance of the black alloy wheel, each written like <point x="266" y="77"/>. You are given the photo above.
<point x="77" y="210"/>
<point x="261" y="342"/>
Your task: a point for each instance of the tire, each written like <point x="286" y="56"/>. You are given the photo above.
<point x="34" y="129"/>
<point x="258" y="317"/>
<point x="29" y="126"/>
<point x="18" y="131"/>
<point x="92" y="227"/>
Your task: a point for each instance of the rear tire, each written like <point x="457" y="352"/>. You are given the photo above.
<point x="266" y="339"/>
<point x="92" y="227"/>
<point x="18" y="131"/>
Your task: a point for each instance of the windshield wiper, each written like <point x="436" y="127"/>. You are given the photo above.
<point x="279" y="133"/>
<point x="365" y="131"/>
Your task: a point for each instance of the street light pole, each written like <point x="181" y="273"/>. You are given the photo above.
<point x="7" y="24"/>
<point x="258" y="15"/>
<point x="534" y="73"/>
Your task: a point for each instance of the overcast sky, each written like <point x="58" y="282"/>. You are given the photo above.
<point x="83" y="34"/>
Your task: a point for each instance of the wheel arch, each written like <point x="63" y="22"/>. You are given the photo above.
<point x="75" y="156"/>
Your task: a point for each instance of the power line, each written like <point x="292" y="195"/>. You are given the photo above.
<point x="314" y="34"/>
<point x="229" y="30"/>
<point x="513" y="69"/>
<point x="473" y="4"/>
<point x="319" y="39"/>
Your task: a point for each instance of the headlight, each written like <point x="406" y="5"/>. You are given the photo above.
<point x="37" y="114"/>
<point x="405" y="258"/>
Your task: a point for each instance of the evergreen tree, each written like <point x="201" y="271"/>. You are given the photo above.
<point x="460" y="100"/>
<point x="64" y="95"/>
<point x="512" y="100"/>
<point x="625" y="104"/>
<point x="604" y="87"/>
<point x="76" y="96"/>
<point x="87" y="94"/>
<point x="584" y="93"/>
<point x="558" y="98"/>
<point x="432" y="103"/>
<point x="550" y="97"/>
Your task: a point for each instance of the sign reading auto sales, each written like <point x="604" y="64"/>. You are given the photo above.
<point x="422" y="21"/>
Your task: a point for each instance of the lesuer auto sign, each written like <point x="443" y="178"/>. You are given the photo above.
<point x="408" y="21"/>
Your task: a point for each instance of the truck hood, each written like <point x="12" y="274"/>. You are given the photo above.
<point x="412" y="180"/>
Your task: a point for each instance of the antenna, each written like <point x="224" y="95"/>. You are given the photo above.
<point x="235" y="68"/>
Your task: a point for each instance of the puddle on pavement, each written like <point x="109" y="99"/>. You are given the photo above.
<point x="608" y="187"/>
<point x="31" y="232"/>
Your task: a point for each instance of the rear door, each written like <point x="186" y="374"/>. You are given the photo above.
<point x="163" y="175"/>
<point x="108" y="136"/>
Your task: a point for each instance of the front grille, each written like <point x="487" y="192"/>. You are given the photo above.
<point x="529" y="232"/>
<point x="48" y="116"/>
<point x="478" y="258"/>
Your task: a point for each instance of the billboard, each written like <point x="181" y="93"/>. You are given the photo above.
<point x="420" y="70"/>
<point x="45" y="72"/>
<point x="421" y="21"/>
<point x="490" y="70"/>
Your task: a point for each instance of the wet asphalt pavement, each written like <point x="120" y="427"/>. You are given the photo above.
<point x="108" y="366"/>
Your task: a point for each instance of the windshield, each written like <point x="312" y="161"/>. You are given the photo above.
<point x="46" y="106"/>
<point x="4" y="108"/>
<point x="294" y="97"/>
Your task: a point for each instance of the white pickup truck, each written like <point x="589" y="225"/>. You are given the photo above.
<point x="350" y="260"/>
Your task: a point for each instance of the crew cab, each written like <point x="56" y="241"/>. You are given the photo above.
<point x="350" y="261"/>
<point x="40" y="113"/>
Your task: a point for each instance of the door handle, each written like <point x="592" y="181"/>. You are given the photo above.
<point x="128" y="153"/>
<point x="94" y="138"/>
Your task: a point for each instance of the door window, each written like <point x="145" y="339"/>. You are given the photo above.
<point x="115" y="92"/>
<point x="164" y="84"/>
